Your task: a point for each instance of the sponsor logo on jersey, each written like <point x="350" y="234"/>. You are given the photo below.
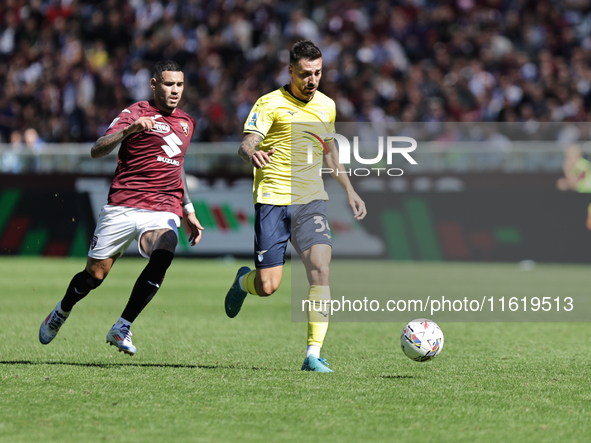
<point x="93" y="242"/>
<point x="185" y="127"/>
<point x="161" y="128"/>
<point x="126" y="110"/>
<point x="113" y="122"/>
<point x="170" y="161"/>
<point x="173" y="144"/>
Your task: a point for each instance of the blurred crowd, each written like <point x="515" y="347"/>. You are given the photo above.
<point x="68" y="67"/>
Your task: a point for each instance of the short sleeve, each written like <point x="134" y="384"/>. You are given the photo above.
<point x="124" y="119"/>
<point x="260" y="119"/>
<point x="330" y="127"/>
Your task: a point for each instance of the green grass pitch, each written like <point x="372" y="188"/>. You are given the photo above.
<point x="201" y="377"/>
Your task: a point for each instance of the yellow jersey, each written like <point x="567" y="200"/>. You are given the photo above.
<point x="582" y="169"/>
<point x="293" y="128"/>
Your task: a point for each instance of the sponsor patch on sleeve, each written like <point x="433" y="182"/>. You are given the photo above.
<point x="253" y="119"/>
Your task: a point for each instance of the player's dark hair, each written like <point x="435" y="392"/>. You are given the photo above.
<point x="165" y="65"/>
<point x="303" y="50"/>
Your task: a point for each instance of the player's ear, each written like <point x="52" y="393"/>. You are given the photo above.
<point x="153" y="84"/>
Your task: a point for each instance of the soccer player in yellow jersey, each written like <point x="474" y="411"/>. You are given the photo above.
<point x="577" y="175"/>
<point x="577" y="171"/>
<point x="279" y="214"/>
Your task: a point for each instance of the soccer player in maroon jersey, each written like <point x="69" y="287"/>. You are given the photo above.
<point x="145" y="203"/>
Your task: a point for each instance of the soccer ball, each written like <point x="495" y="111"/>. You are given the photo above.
<point x="421" y="339"/>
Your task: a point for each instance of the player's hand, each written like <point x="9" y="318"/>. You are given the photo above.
<point x="358" y="205"/>
<point x="195" y="227"/>
<point x="562" y="184"/>
<point x="261" y="158"/>
<point x="141" y="124"/>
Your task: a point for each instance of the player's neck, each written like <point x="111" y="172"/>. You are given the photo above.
<point x="161" y="109"/>
<point x="166" y="111"/>
<point x="289" y="89"/>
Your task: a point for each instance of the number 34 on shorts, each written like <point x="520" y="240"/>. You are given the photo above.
<point x="323" y="222"/>
<point x="310" y="225"/>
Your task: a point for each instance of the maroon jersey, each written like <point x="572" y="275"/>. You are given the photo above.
<point x="148" y="174"/>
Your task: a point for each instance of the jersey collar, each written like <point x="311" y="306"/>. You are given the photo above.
<point x="164" y="113"/>
<point x="288" y="90"/>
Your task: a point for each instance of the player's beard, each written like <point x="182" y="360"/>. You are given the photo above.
<point x="169" y="105"/>
<point x="307" y="93"/>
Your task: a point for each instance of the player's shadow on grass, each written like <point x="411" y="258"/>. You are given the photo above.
<point x="110" y="365"/>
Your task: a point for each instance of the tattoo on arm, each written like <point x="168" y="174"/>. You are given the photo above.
<point x="248" y="146"/>
<point x="107" y="143"/>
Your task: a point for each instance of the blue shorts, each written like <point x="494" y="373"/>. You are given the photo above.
<point x="273" y="228"/>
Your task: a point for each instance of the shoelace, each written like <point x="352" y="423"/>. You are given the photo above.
<point x="56" y="321"/>
<point x="126" y="334"/>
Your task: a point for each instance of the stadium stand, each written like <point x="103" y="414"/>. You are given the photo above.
<point x="68" y="67"/>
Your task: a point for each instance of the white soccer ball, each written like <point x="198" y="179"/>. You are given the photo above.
<point x="421" y="339"/>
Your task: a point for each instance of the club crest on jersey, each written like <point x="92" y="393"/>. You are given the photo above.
<point x="161" y="128"/>
<point x="185" y="127"/>
<point x="260" y="255"/>
<point x="324" y="116"/>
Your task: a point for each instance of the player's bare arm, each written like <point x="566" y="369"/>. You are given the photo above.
<point x="191" y="218"/>
<point x="331" y="159"/>
<point x="106" y="144"/>
<point x="186" y="198"/>
<point x="249" y="153"/>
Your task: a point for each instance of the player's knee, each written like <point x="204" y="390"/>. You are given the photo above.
<point x="320" y="273"/>
<point x="267" y="288"/>
<point x="152" y="241"/>
<point x="84" y="282"/>
<point x="97" y="275"/>
<point x="167" y="240"/>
